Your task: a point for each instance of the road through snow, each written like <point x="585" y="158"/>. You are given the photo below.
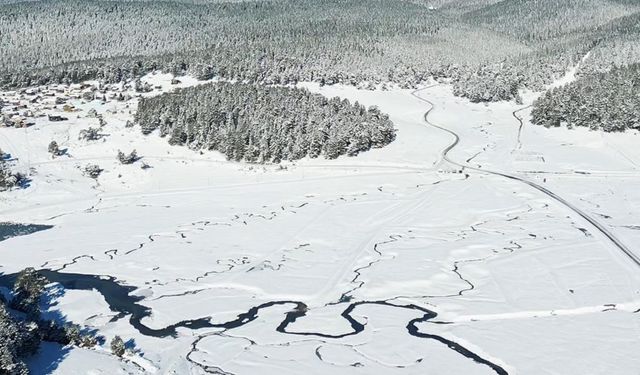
<point x="597" y="225"/>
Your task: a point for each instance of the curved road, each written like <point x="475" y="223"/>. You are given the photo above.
<point x="599" y="227"/>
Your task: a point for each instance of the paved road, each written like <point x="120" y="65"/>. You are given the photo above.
<point x="598" y="226"/>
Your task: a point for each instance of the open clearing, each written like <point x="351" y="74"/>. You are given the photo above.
<point x="520" y="283"/>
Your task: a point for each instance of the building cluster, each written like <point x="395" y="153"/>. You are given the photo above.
<point x="21" y="108"/>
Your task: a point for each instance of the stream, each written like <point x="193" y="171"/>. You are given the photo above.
<point x="120" y="300"/>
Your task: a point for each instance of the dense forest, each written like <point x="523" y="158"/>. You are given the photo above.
<point x="608" y="101"/>
<point x="360" y="42"/>
<point x="260" y="123"/>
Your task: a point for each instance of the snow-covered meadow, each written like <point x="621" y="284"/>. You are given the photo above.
<point x="351" y="253"/>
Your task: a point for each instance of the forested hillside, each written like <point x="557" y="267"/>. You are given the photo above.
<point x="272" y="42"/>
<point x="260" y="123"/>
<point x="618" y="45"/>
<point x="606" y="94"/>
<point x="543" y="20"/>
<point x="489" y="49"/>
<point x="607" y="101"/>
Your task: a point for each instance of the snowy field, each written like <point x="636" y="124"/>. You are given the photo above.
<point x="393" y="262"/>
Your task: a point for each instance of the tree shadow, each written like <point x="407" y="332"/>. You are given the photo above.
<point x="24" y="182"/>
<point x="131" y="346"/>
<point x="50" y="354"/>
<point x="49" y="301"/>
<point x="10" y="229"/>
<point x="48" y="358"/>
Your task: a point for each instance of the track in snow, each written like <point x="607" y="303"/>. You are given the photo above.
<point x="519" y="119"/>
<point x="598" y="226"/>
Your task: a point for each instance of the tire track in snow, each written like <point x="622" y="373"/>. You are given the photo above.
<point x="521" y="122"/>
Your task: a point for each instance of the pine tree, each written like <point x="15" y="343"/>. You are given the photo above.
<point x="117" y="346"/>
<point x="131" y="158"/>
<point x="53" y="149"/>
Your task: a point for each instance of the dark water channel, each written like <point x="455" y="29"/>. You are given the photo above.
<point x="120" y="300"/>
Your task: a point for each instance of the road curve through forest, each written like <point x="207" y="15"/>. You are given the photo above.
<point x="597" y="225"/>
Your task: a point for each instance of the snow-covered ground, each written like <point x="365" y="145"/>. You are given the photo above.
<point x="516" y="278"/>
